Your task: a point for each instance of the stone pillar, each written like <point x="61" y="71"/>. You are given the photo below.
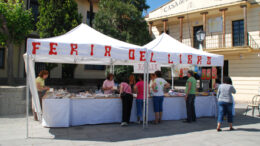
<point x="150" y="27"/>
<point x="164" y="25"/>
<point x="244" y="7"/>
<point x="223" y="11"/>
<point x="181" y="27"/>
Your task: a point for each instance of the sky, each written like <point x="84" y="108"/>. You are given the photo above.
<point x="155" y="4"/>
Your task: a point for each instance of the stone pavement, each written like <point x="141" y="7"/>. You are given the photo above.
<point x="201" y="133"/>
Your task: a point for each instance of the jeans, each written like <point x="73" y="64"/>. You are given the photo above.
<point x="225" y="108"/>
<point x="191" y="113"/>
<point x="158" y="103"/>
<point x="127" y="101"/>
<point x="139" y="107"/>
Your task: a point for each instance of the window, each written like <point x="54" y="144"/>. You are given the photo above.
<point x="238" y="33"/>
<point x="196" y="43"/>
<point x="2" y="58"/>
<point x="89" y="18"/>
<point x="35" y="12"/>
<point x="94" y="67"/>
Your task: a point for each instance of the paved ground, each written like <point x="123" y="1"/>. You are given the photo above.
<point x="201" y="133"/>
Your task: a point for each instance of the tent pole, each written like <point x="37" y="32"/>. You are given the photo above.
<point x="146" y="90"/>
<point x="222" y="74"/>
<point x="144" y="97"/>
<point x="27" y="97"/>
<point x="172" y="71"/>
<point x="111" y="66"/>
<point x="147" y="94"/>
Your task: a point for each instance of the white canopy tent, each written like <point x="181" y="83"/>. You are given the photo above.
<point x="84" y="45"/>
<point x="81" y="45"/>
<point x="171" y="52"/>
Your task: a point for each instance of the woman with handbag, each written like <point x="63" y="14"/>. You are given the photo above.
<point x="127" y="101"/>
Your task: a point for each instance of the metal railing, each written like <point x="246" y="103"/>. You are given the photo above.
<point x="252" y="43"/>
<point x="215" y="41"/>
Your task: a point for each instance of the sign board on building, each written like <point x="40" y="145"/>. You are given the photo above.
<point x="183" y="6"/>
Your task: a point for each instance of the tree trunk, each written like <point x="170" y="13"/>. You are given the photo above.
<point x="19" y="59"/>
<point x="10" y="62"/>
<point x="91" y="12"/>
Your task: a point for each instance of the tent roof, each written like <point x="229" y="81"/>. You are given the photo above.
<point x="166" y="44"/>
<point x="83" y="34"/>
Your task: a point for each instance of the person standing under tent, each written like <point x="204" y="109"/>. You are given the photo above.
<point x="41" y="88"/>
<point x="190" y="97"/>
<point x="158" y="95"/>
<point x="127" y="101"/>
<point x="108" y="84"/>
<point x="225" y="102"/>
<point x="139" y="89"/>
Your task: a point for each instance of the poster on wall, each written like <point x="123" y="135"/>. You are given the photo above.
<point x="203" y="74"/>
<point x="208" y="74"/>
<point x="181" y="73"/>
<point x="214" y="73"/>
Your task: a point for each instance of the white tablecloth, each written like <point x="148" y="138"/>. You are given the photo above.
<point x="72" y="112"/>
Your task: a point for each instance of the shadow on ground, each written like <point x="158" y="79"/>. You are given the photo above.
<point x="115" y="133"/>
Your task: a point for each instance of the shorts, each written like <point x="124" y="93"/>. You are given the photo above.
<point x="158" y="103"/>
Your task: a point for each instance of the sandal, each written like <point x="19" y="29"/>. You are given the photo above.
<point x="219" y="130"/>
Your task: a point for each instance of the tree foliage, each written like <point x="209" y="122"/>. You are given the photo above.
<point x="15" y="25"/>
<point x="122" y="19"/>
<point x="15" y="22"/>
<point x="56" y="18"/>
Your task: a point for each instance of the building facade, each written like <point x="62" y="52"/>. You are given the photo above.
<point x="85" y="7"/>
<point x="232" y="29"/>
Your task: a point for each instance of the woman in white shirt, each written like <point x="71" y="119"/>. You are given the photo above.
<point x="158" y="95"/>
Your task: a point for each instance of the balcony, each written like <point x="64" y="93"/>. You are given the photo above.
<point x="214" y="44"/>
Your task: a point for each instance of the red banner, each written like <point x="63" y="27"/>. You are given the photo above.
<point x="181" y="73"/>
<point x="208" y="74"/>
<point x="203" y="74"/>
<point x="214" y="73"/>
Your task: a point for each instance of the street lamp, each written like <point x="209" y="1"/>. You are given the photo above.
<point x="200" y="37"/>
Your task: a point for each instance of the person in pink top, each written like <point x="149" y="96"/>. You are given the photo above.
<point x="127" y="101"/>
<point x="108" y="84"/>
<point x="139" y="89"/>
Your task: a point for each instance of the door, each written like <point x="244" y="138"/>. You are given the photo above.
<point x="238" y="33"/>
<point x="196" y="43"/>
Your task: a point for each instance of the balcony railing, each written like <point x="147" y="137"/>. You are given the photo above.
<point x="215" y="41"/>
<point x="252" y="43"/>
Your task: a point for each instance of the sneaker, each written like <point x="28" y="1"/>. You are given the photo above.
<point x="124" y="124"/>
